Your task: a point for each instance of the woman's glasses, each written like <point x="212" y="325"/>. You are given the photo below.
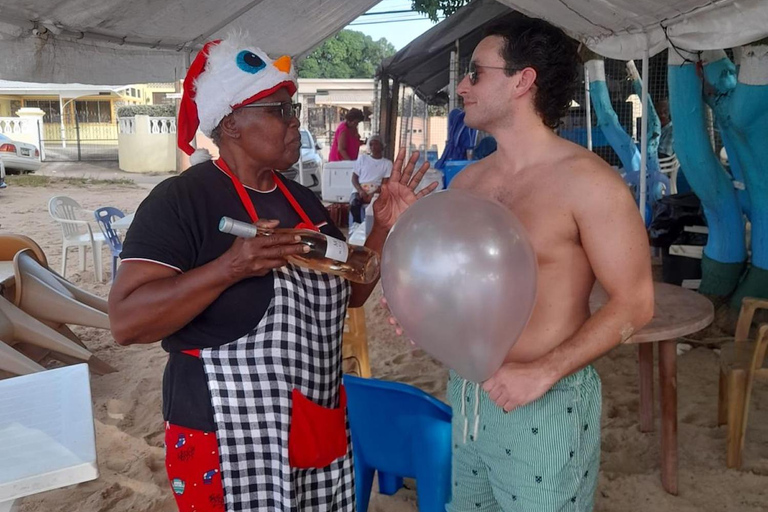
<point x="288" y="109"/>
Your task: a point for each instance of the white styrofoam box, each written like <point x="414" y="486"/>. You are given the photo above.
<point x="47" y="433"/>
<point x="337" y="181"/>
<point x="431" y="176"/>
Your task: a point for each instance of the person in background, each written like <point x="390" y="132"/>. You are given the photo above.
<point x="367" y="176"/>
<point x="346" y="141"/>
<point x="666" y="141"/>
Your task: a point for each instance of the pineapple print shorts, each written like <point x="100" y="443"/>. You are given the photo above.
<point x="542" y="457"/>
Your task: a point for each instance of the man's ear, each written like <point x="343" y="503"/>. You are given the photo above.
<point x="229" y="126"/>
<point x="526" y="80"/>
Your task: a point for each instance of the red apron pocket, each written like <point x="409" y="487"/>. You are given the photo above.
<point x="317" y="435"/>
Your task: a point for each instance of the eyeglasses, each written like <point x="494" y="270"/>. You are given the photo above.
<point x="288" y="109"/>
<point x="472" y="72"/>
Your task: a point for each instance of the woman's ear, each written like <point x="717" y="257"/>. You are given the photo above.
<point x="229" y="126"/>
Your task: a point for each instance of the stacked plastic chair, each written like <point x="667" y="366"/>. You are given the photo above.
<point x="35" y="312"/>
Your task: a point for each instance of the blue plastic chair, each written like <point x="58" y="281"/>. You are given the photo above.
<point x="399" y="431"/>
<point x="460" y="139"/>
<point x="104" y="217"/>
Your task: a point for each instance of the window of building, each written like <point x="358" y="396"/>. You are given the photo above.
<point x="50" y="107"/>
<point x="93" y="111"/>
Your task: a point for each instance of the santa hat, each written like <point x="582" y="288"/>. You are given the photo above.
<point x="225" y="75"/>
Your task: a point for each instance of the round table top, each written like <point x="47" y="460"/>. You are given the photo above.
<point x="678" y="312"/>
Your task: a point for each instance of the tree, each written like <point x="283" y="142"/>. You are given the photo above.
<point x="349" y="54"/>
<point x="432" y="8"/>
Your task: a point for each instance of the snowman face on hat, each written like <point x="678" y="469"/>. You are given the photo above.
<point x="238" y="73"/>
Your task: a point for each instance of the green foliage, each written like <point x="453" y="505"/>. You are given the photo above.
<point x="147" y="110"/>
<point x="349" y="54"/>
<point x="434" y="8"/>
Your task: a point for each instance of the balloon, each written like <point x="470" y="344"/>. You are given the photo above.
<point x="459" y="274"/>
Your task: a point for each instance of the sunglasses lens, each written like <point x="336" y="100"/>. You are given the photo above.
<point x="472" y="73"/>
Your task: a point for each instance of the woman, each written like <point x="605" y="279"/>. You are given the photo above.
<point x="346" y="140"/>
<point x="253" y="373"/>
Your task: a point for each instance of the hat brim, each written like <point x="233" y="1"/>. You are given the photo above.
<point x="287" y="84"/>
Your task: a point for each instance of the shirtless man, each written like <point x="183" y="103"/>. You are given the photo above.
<point x="584" y="225"/>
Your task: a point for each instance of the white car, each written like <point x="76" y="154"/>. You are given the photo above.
<point x="18" y="156"/>
<point x="311" y="163"/>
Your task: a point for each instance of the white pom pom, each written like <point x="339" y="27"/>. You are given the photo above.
<point x="199" y="156"/>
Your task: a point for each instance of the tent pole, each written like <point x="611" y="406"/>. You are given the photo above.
<point x="410" y="122"/>
<point x="588" y="107"/>
<point x="61" y="123"/>
<point x="384" y="115"/>
<point x="392" y="119"/>
<point x="644" y="136"/>
<point x="425" y="128"/>
<point x="452" y="77"/>
<point x="375" y="122"/>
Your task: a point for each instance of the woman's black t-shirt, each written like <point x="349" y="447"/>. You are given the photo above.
<point x="177" y="225"/>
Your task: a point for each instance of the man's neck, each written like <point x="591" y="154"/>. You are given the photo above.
<point x="522" y="142"/>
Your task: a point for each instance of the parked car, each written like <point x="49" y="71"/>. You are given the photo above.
<point x="18" y="156"/>
<point x="312" y="163"/>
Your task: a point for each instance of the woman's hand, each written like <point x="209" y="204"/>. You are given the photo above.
<point x="397" y="193"/>
<point x="257" y="256"/>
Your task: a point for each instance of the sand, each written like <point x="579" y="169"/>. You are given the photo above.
<point x="129" y="429"/>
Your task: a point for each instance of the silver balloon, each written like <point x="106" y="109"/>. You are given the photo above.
<point x="459" y="275"/>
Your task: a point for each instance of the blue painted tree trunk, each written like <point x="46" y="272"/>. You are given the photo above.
<point x="654" y="124"/>
<point x="721" y="77"/>
<point x="725" y="252"/>
<point x="607" y="119"/>
<point x="657" y="184"/>
<point x="749" y="117"/>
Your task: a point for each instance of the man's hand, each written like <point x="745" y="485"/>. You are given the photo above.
<point x="393" y="321"/>
<point x="517" y="384"/>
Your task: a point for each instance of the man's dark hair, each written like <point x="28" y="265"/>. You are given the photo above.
<point x="354" y="114"/>
<point x="535" y="43"/>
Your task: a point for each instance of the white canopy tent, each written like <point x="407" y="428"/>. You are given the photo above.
<point x="627" y="29"/>
<point x="122" y="42"/>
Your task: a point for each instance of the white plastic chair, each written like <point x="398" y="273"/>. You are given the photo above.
<point x="669" y="166"/>
<point x="76" y="232"/>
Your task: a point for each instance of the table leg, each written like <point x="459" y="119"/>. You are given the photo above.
<point x="668" y="385"/>
<point x="645" y="358"/>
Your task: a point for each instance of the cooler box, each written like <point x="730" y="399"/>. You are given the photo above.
<point x="337" y="181"/>
<point x="453" y="167"/>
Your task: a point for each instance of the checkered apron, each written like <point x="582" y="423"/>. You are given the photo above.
<point x="297" y="345"/>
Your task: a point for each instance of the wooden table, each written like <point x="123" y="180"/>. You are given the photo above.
<point x="678" y="312"/>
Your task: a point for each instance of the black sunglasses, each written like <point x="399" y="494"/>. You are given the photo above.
<point x="288" y="109"/>
<point x="472" y="72"/>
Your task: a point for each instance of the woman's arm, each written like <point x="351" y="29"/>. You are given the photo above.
<point x="149" y="301"/>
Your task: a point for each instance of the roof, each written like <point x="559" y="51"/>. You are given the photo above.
<point x="624" y="29"/>
<point x="64" y="90"/>
<point x="618" y="29"/>
<point x="124" y="42"/>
